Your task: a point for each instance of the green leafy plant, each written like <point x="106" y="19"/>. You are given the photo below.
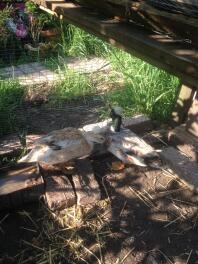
<point x="37" y="21"/>
<point x="31" y="7"/>
<point x="5" y="14"/>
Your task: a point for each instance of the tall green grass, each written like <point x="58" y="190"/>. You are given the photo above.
<point x="76" y="42"/>
<point x="11" y="94"/>
<point x="146" y="89"/>
<point x="72" y="85"/>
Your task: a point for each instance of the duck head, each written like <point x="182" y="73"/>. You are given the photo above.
<point x="116" y="115"/>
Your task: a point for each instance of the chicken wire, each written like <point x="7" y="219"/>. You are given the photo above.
<point x="41" y="111"/>
<point x="49" y="71"/>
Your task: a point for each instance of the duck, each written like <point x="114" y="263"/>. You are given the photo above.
<point x="64" y="145"/>
<point x="122" y="142"/>
<point x="61" y="146"/>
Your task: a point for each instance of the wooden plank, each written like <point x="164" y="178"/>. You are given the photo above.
<point x="10" y="145"/>
<point x="144" y="13"/>
<point x="16" y="179"/>
<point x="86" y="186"/>
<point x="19" y="186"/>
<point x="192" y="122"/>
<point x="59" y="192"/>
<point x="182" y="106"/>
<point x="190" y="3"/>
<point x="185" y="168"/>
<point x="176" y="24"/>
<point x="184" y="141"/>
<point x="180" y="59"/>
<point x="138" y="124"/>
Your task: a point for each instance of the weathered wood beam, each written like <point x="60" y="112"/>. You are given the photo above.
<point x="138" y="124"/>
<point x="10" y="146"/>
<point x="185" y="168"/>
<point x="178" y="25"/>
<point x="184" y="141"/>
<point x="19" y="185"/>
<point x="178" y="58"/>
<point x="142" y="12"/>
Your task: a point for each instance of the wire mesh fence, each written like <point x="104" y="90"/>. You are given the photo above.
<point x="51" y="93"/>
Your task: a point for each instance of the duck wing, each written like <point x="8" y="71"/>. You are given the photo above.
<point x="124" y="157"/>
<point x="59" y="146"/>
<point x="128" y="141"/>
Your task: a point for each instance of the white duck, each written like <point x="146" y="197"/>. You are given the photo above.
<point x="122" y="142"/>
<point x="63" y="145"/>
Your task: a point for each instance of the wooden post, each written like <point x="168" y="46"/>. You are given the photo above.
<point x="183" y="104"/>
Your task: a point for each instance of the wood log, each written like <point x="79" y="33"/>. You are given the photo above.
<point x="19" y="186"/>
<point x="86" y="186"/>
<point x="18" y="183"/>
<point x="185" y="168"/>
<point x="59" y="192"/>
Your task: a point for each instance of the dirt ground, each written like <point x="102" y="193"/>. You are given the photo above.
<point x="38" y="117"/>
<point x="151" y="218"/>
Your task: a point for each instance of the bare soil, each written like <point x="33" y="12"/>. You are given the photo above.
<point x="38" y="117"/>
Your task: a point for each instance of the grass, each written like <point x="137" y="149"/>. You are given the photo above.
<point x="72" y="85"/>
<point x="145" y="88"/>
<point x="11" y="94"/>
<point x="76" y="42"/>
